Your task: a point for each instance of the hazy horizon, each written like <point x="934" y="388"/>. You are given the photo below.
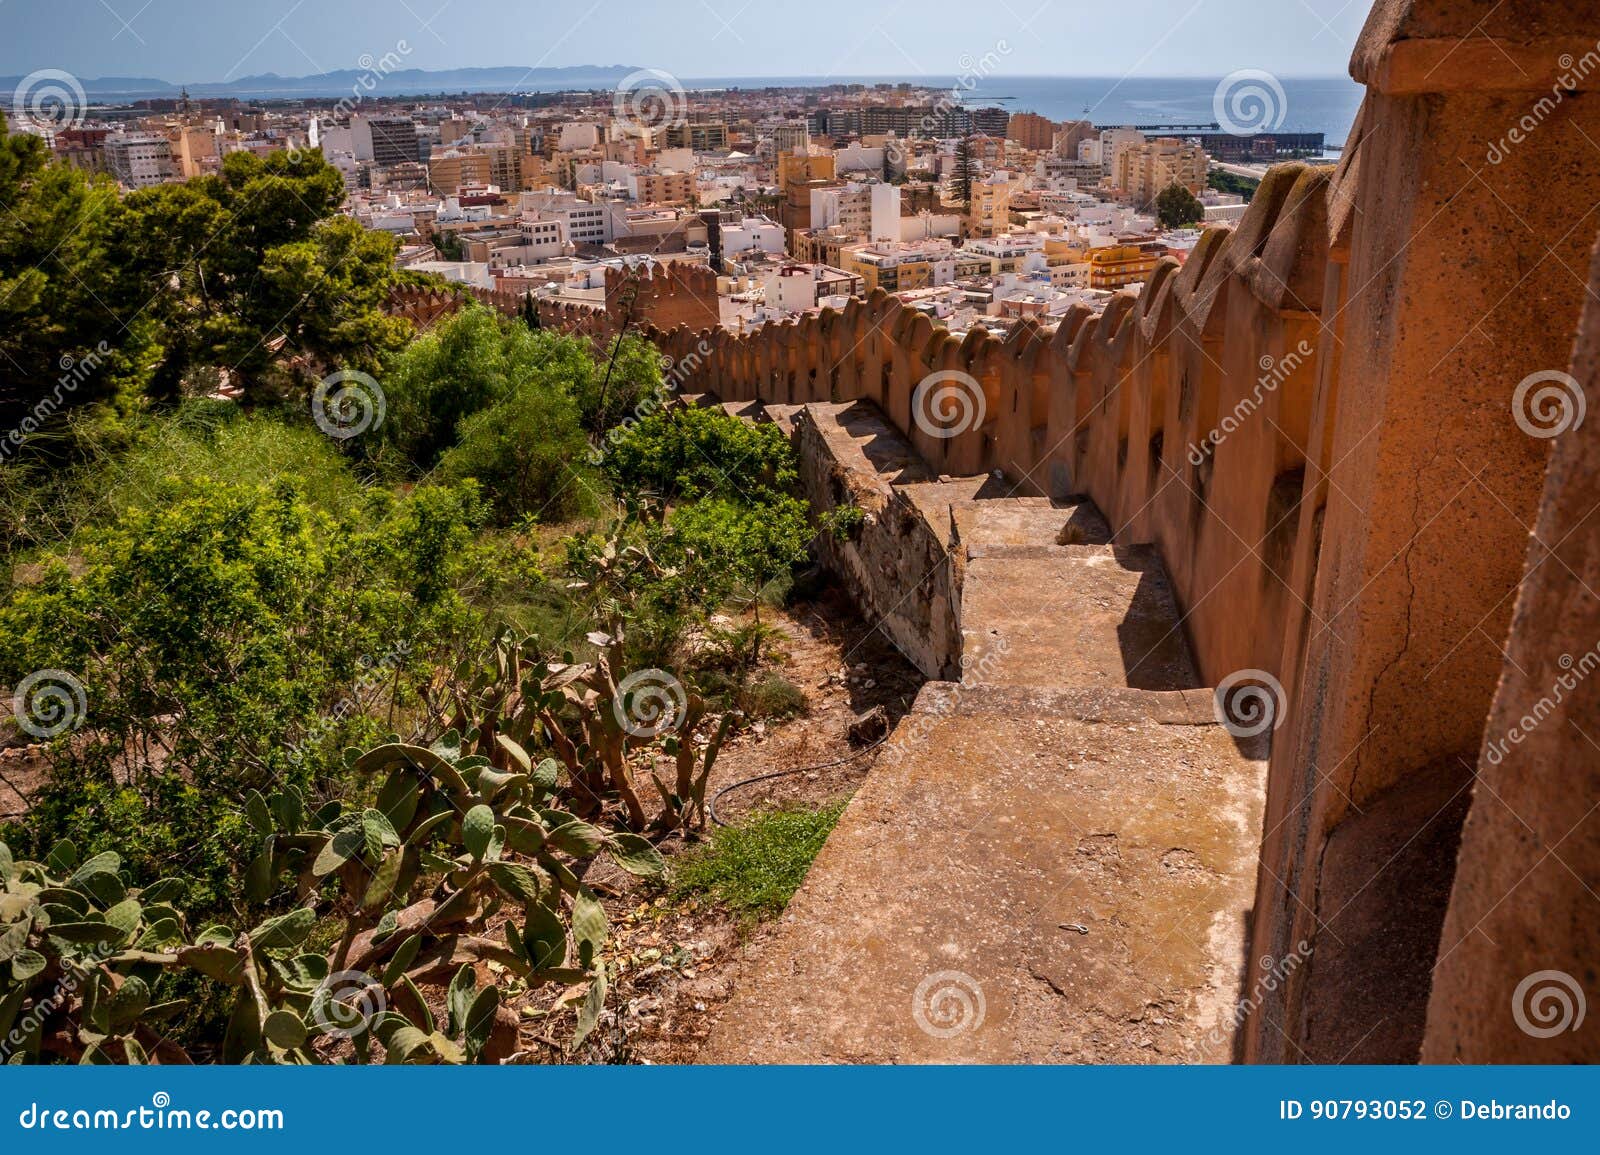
<point x="183" y="41"/>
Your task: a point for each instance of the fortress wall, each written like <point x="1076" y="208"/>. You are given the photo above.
<point x="665" y="296"/>
<point x="1312" y="419"/>
<point x="1358" y="529"/>
<point x="1532" y="832"/>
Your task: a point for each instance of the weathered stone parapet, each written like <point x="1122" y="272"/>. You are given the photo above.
<point x="1521" y="939"/>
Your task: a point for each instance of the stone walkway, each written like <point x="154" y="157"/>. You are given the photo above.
<point x="1053" y="860"/>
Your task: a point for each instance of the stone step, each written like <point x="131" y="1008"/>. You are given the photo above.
<point x="1026" y="876"/>
<point x="1051" y="615"/>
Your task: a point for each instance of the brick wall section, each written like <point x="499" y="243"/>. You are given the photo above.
<point x="662" y="297"/>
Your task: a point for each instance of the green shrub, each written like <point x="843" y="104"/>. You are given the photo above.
<point x="468" y="364"/>
<point x="843" y="522"/>
<point x="773" y="698"/>
<point x="92" y="470"/>
<point x="228" y="637"/>
<point x="528" y="452"/>
<point x="684" y="454"/>
<point x="737" y="549"/>
<point x="755" y="868"/>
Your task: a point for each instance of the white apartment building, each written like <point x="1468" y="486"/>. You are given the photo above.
<point x="848" y="207"/>
<point x="754" y="233"/>
<point x="1112" y="142"/>
<point x="585" y="222"/>
<point x="542" y="239"/>
<point x="577" y="137"/>
<point x="139" y="161"/>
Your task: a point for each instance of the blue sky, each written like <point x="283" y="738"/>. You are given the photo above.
<point x="213" y="40"/>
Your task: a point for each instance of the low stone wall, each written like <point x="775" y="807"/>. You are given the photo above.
<point x="896" y="563"/>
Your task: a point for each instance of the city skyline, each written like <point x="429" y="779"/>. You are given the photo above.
<point x="171" y="40"/>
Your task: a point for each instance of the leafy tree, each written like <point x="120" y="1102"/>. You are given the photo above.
<point x="328" y="294"/>
<point x="1176" y="207"/>
<point x="627" y="382"/>
<point x="65" y="314"/>
<point x="248" y="266"/>
<point x="104" y="297"/>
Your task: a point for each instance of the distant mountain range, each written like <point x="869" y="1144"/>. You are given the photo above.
<point x="370" y="82"/>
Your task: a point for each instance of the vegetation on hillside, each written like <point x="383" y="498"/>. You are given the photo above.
<point x="336" y="715"/>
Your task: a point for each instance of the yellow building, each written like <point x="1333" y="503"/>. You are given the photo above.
<point x="895" y="268"/>
<point x="194" y="151"/>
<point x="1116" y="266"/>
<point x="448" y="171"/>
<point x="798" y="173"/>
<point x="666" y="188"/>
<point x="1141" y="171"/>
<point x="989" y="214"/>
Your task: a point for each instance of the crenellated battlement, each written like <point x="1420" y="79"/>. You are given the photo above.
<point x="660" y="295"/>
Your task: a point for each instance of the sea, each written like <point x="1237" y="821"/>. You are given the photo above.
<point x="1325" y="104"/>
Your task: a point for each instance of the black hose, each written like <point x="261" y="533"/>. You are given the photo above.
<point x="711" y="807"/>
